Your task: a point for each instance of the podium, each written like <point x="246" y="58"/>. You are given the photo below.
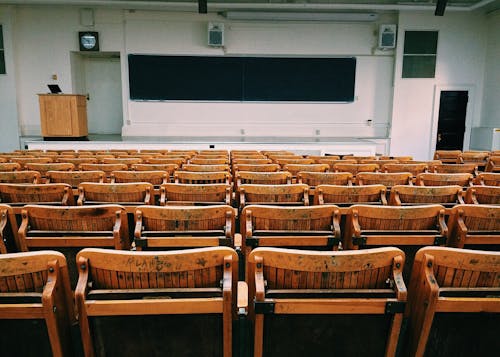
<point x="63" y="116"/>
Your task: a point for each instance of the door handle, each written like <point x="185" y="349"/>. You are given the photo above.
<point x="439" y="138"/>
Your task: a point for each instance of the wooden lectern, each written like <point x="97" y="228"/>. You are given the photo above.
<point x="63" y="115"/>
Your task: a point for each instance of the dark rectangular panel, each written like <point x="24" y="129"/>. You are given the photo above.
<point x="1" y="37"/>
<point x="420" y="42"/>
<point x="2" y="63"/>
<point x="419" y="66"/>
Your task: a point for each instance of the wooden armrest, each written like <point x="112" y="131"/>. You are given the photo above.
<point x="242" y="302"/>
<point x="238" y="240"/>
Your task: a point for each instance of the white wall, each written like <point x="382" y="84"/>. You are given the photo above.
<point x="9" y="133"/>
<point x="460" y="64"/>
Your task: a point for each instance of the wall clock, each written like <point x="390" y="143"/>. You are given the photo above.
<point x="88" y="41"/>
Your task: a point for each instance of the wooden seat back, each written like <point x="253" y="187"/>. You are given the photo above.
<point x="75" y="178"/>
<point x="441" y="179"/>
<point x="255" y="168"/>
<point x="21" y="194"/>
<point x="25" y="160"/>
<point x="285" y="195"/>
<point x="274" y="226"/>
<point x="107" y="168"/>
<point x="488" y="179"/>
<point x="35" y="287"/>
<point x="208" y="161"/>
<point x="204" y="168"/>
<point x="448" y="156"/>
<point x="153" y="177"/>
<point x="8" y="230"/>
<point x="172" y="160"/>
<point x="493" y="164"/>
<point x="474" y="225"/>
<point x="322" y="291"/>
<point x="388" y="179"/>
<point x="348" y="195"/>
<point x="20" y="177"/>
<point x="77" y="160"/>
<point x="9" y="166"/>
<point x="415" y="169"/>
<point x="489" y="195"/>
<point x="480" y="158"/>
<point x="453" y="295"/>
<point x="294" y="169"/>
<point x="195" y="194"/>
<point x="263" y="178"/>
<point x="325" y="178"/>
<point x="402" y="195"/>
<point x="183" y="227"/>
<point x="317" y="158"/>
<point x="169" y="168"/>
<point x="143" y="285"/>
<point x="54" y="166"/>
<point x="251" y="161"/>
<point x="455" y="168"/>
<point x="188" y="177"/>
<point x="136" y="193"/>
<point x="355" y="168"/>
<point x="127" y="161"/>
<point x="294" y="161"/>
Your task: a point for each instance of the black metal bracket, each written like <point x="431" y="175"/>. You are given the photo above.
<point x="395" y="307"/>
<point x="359" y="240"/>
<point x="333" y="241"/>
<point x="264" y="307"/>
<point x="140" y="242"/>
<point x="225" y="242"/>
<point x="252" y="242"/>
<point x="440" y="240"/>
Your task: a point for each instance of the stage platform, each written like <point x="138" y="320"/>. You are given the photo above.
<point x="302" y="145"/>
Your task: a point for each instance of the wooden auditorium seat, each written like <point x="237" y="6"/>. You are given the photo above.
<point x="348" y="195"/>
<point x="75" y="178"/>
<point x="493" y="164"/>
<point x="448" y="156"/>
<point x="294" y="169"/>
<point x="314" y="179"/>
<point x="282" y="195"/>
<point x="36" y="305"/>
<point x="488" y="179"/>
<point x="355" y="168"/>
<point x="455" y="169"/>
<point x="195" y="194"/>
<point x="9" y="166"/>
<point x="188" y="177"/>
<point x="162" y="228"/>
<point x="474" y="226"/>
<point x="155" y="178"/>
<point x="167" y="161"/>
<point x="454" y="303"/>
<point x="415" y="168"/>
<point x="127" y="161"/>
<point x="447" y="196"/>
<point x="20" y="177"/>
<point x="8" y="230"/>
<point x="310" y="303"/>
<point x="53" y="166"/>
<point x="107" y="168"/>
<point x="157" y="303"/>
<point x="442" y="179"/>
<point x="208" y="161"/>
<point x="263" y="178"/>
<point x="489" y="195"/>
<point x="388" y="179"/>
<point x="21" y="194"/>
<point x="126" y="194"/>
<point x="205" y="168"/>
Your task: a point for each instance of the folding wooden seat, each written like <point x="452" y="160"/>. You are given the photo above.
<point x="489" y="195"/>
<point x="283" y="195"/>
<point x="379" y="162"/>
<point x="101" y="157"/>
<point x="310" y="303"/>
<point x="294" y="169"/>
<point x="189" y="153"/>
<point x="360" y="158"/>
<point x="22" y="194"/>
<point x="54" y="166"/>
<point x="348" y="195"/>
<point x="24" y="160"/>
<point x="285" y="158"/>
<point x="315" y="227"/>
<point x="296" y="161"/>
<point x="126" y="161"/>
<point x="216" y="161"/>
<point x="399" y="158"/>
<point x="169" y="168"/>
<point x="126" y="194"/>
<point x="263" y="178"/>
<point x="455" y="168"/>
<point x="202" y="177"/>
<point x="20" y="177"/>
<point x="155" y="178"/>
<point x="388" y="179"/>
<point x="488" y="179"/>
<point x="493" y="164"/>
<point x="333" y="162"/>
<point x="429" y="163"/>
<point x="161" y="228"/>
<point x="480" y="158"/>
<point x="270" y="153"/>
<point x="52" y="154"/>
<point x="213" y="152"/>
<point x="255" y="161"/>
<point x="474" y="226"/>
<point x="9" y="166"/>
<point x="405" y="227"/>
<point x="314" y="179"/>
<point x="255" y="168"/>
<point x="143" y="156"/>
<point x="167" y="161"/>
<point x="2" y="160"/>
<point x="355" y="168"/>
<point x="107" y="168"/>
<point x="8" y="230"/>
<point x="448" y="156"/>
<point x="75" y="178"/>
<point x="211" y="156"/>
<point x="195" y="194"/>
<point x="204" y="168"/>
<point x="36" y="305"/>
<point x="447" y="196"/>
<point x="318" y="158"/>
<point x="78" y="160"/>
<point x="454" y="303"/>
<point x="432" y="179"/>
<point x="154" y="151"/>
<point x="415" y="169"/>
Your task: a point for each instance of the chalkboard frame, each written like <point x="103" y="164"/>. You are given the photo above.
<point x="248" y="79"/>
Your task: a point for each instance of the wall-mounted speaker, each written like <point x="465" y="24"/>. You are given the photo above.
<point x="215" y="34"/>
<point x="387" y="36"/>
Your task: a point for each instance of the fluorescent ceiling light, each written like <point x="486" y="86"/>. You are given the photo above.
<point x="301" y="16"/>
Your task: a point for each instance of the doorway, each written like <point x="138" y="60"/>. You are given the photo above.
<point x="98" y="75"/>
<point x="451" y="119"/>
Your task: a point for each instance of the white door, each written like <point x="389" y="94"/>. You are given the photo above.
<point x="103" y="85"/>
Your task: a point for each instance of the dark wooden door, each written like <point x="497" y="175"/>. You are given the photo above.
<point x="451" y="122"/>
